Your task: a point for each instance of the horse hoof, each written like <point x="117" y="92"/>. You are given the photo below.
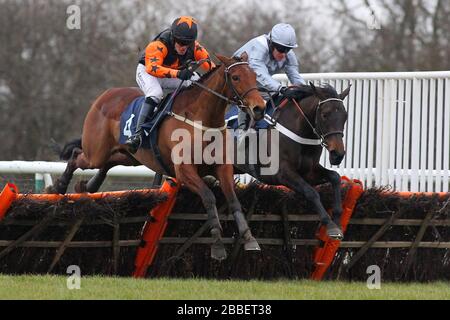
<point x="335" y="233"/>
<point x="252" y="245"/>
<point x="218" y="252"/>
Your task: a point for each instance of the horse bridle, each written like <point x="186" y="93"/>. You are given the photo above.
<point x="240" y="98"/>
<point x="318" y="131"/>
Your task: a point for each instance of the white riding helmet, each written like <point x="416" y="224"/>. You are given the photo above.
<point x="283" y="34"/>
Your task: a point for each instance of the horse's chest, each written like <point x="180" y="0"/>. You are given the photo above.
<point x="305" y="165"/>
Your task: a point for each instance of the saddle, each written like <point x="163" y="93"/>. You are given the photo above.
<point x="128" y="121"/>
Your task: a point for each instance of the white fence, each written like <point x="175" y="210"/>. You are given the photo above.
<point x="42" y="171"/>
<point x="397" y="133"/>
<point x="398" y="129"/>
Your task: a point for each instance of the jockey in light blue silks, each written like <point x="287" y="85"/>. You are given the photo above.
<point x="270" y="54"/>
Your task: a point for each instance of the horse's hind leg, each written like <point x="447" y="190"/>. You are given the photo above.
<point x="225" y="176"/>
<point x="61" y="184"/>
<point x="93" y="185"/>
<point x="187" y="174"/>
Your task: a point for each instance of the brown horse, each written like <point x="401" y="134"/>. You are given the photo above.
<point x="206" y="102"/>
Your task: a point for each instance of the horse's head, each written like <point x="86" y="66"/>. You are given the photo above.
<point x="241" y="82"/>
<point x="330" y="120"/>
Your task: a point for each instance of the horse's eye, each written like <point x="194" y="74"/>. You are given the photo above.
<point x="235" y="78"/>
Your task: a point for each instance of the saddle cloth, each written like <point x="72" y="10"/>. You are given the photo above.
<point x="128" y="120"/>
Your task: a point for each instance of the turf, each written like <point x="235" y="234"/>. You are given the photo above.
<point x="55" y="287"/>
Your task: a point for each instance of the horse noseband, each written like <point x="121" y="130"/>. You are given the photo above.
<point x="318" y="128"/>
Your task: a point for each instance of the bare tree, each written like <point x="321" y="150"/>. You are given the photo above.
<point x="408" y="35"/>
<point x="50" y="74"/>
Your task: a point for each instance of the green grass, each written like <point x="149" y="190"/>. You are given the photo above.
<point x="53" y="287"/>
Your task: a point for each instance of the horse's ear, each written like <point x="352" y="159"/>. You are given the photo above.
<point x="244" y="56"/>
<point x="316" y="91"/>
<point x="345" y="93"/>
<point x="223" y="59"/>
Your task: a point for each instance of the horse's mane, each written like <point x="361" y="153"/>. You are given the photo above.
<point x="304" y="91"/>
<point x="202" y="79"/>
<point x="206" y="75"/>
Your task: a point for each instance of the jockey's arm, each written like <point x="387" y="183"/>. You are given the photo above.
<point x="155" y="53"/>
<point x="201" y="53"/>
<point x="292" y="70"/>
<point x="263" y="76"/>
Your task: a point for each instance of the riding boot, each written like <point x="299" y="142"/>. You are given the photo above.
<point x="147" y="109"/>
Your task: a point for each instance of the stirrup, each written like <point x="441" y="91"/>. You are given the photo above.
<point x="134" y="142"/>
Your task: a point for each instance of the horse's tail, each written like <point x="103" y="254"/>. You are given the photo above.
<point x="67" y="150"/>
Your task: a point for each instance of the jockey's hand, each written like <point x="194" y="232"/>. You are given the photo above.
<point x="185" y="74"/>
<point x="282" y="90"/>
<point x="287" y="92"/>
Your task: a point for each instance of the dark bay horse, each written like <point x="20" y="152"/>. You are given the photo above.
<point x="99" y="147"/>
<point x="307" y="119"/>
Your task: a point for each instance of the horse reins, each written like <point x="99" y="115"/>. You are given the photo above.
<point x="240" y="98"/>
<point x="239" y="103"/>
<point x="318" y="129"/>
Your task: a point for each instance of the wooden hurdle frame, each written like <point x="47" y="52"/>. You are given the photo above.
<point x="155" y="224"/>
<point x="153" y="230"/>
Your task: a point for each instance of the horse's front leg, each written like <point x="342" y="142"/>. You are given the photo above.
<point x="225" y="175"/>
<point x="291" y="179"/>
<point x="335" y="179"/>
<point x="187" y="174"/>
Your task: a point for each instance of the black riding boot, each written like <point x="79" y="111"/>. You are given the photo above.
<point x="135" y="141"/>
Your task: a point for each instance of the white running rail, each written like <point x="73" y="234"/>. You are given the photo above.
<point x="397" y="133"/>
<point x="398" y="129"/>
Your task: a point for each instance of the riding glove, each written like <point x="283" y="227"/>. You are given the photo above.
<point x="288" y="92"/>
<point x="185" y="74"/>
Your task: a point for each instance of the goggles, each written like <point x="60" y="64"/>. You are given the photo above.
<point x="183" y="43"/>
<point x="280" y="48"/>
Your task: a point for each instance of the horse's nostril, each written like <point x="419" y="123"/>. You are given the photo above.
<point x="336" y="157"/>
<point x="258" y="111"/>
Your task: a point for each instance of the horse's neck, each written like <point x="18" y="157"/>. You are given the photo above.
<point x="213" y="109"/>
<point x="293" y="119"/>
<point x="205" y="106"/>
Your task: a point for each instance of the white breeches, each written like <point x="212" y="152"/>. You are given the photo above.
<point x="153" y="86"/>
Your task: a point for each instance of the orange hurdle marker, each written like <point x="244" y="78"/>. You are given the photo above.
<point x="7" y="197"/>
<point x="324" y="255"/>
<point x="153" y="231"/>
